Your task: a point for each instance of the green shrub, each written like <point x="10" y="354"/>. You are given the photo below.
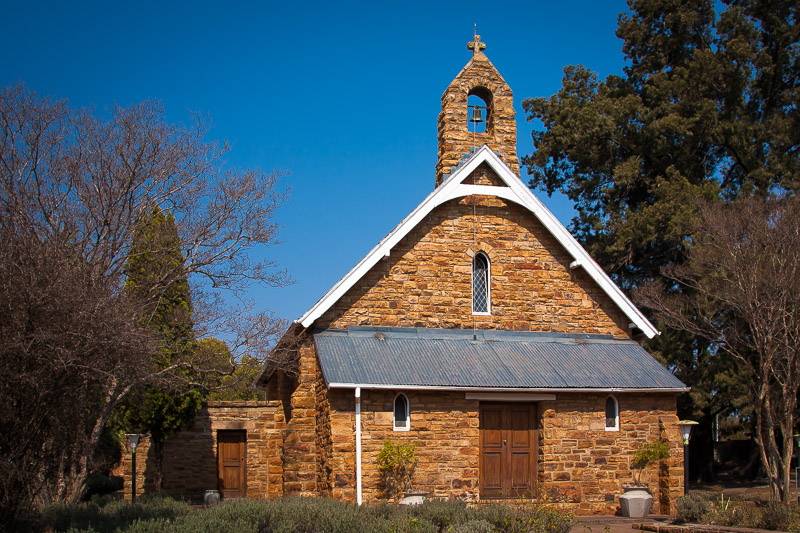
<point x="650" y="453"/>
<point x="691" y="507"/>
<point x="775" y="516"/>
<point x="720" y="511"/>
<point x="545" y="520"/>
<point x="300" y="515"/>
<point x="527" y="519"/>
<point x="500" y="516"/>
<point x="321" y="514"/>
<point x="473" y="526"/>
<point x="441" y="513"/>
<point x="396" y="463"/>
<point x="112" y="515"/>
<point x="406" y="524"/>
<point x="384" y="510"/>
<point x="746" y="515"/>
<point x="720" y="516"/>
<point x="794" y="519"/>
<point x="156" y="525"/>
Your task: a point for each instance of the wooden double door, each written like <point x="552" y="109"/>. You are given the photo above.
<point x="508" y="439"/>
<point x="231" y="461"/>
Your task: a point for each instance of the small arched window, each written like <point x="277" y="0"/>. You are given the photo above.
<point x="402" y="420"/>
<point x="481" y="302"/>
<point x="612" y="414"/>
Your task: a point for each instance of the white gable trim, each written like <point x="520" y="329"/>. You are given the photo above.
<point x="516" y="192"/>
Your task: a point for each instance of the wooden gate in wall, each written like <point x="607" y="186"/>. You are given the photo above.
<point x="231" y="463"/>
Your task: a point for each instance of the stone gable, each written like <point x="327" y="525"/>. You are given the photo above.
<point x="427" y="279"/>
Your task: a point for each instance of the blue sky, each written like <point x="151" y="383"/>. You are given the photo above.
<point x="344" y="95"/>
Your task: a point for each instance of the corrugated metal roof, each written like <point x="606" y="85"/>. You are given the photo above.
<point x="435" y="358"/>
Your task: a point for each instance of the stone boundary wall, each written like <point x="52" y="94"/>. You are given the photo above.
<point x="190" y="456"/>
<point x="581" y="466"/>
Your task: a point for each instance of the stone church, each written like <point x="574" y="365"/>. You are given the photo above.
<point x="478" y="329"/>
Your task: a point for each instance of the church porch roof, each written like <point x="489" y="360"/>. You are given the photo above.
<point x="436" y="359"/>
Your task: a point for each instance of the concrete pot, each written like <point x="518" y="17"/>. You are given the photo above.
<point x="636" y="502"/>
<point x="211" y="498"/>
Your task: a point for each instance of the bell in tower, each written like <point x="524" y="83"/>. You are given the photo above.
<point x="477" y="109"/>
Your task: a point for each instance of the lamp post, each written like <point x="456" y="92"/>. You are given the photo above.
<point x="133" y="439"/>
<point x="686" y="430"/>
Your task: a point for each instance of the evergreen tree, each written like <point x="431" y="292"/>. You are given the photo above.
<point x="156" y="278"/>
<point x="706" y="108"/>
<point x="228" y="379"/>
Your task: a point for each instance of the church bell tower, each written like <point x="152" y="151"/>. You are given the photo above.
<point x="477" y="109"/>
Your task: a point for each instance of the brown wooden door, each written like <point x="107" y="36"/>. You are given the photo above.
<point x="508" y="450"/>
<point x="231" y="464"/>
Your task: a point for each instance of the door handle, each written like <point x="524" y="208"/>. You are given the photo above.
<point x="504" y="442"/>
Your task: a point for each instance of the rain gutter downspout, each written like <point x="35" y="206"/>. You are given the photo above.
<point x="358" y="445"/>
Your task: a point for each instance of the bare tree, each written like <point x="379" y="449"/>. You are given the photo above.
<point x="73" y="184"/>
<point x="740" y="288"/>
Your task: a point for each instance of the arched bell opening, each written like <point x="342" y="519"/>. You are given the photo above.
<point x="479" y="110"/>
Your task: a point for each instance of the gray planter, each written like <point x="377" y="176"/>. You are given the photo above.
<point x="211" y="498"/>
<point x="636" y="502"/>
<point x="413" y="498"/>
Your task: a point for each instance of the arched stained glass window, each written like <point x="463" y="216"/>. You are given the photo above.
<point x="480" y="284"/>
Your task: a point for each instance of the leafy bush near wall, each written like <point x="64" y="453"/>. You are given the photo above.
<point x="300" y="515"/>
<point x="703" y="508"/>
<point x="397" y="463"/>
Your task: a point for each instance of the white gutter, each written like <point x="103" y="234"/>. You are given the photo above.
<point x="358" y="445"/>
<point x="495" y="389"/>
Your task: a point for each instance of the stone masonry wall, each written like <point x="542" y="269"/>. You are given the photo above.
<point x="323" y="436"/>
<point x="300" y="453"/>
<point x="444" y="426"/>
<point x="581" y="466"/>
<point x="190" y="456"/>
<point x="427" y="282"/>
<point x="427" y="279"/>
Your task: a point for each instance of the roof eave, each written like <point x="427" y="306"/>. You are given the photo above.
<point x="394" y="386"/>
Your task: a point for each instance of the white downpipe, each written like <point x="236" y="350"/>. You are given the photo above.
<point x="358" y="445"/>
